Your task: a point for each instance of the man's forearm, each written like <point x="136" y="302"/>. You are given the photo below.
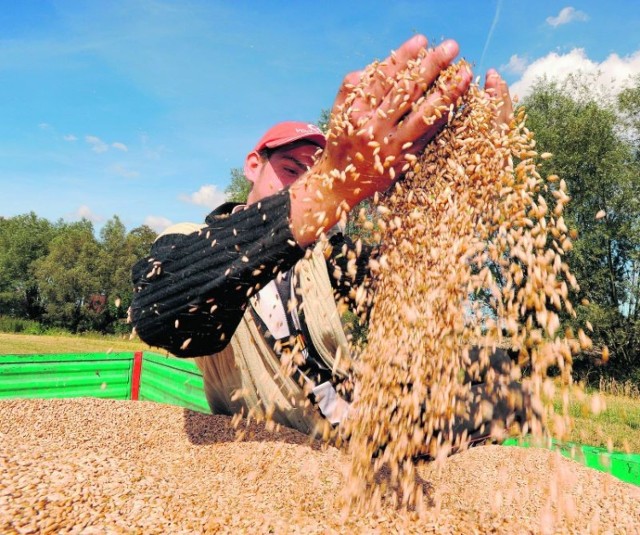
<point x="193" y="289"/>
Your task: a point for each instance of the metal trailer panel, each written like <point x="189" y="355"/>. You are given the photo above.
<point x="63" y="357"/>
<point x="104" y="375"/>
<point x="65" y="375"/>
<point x="173" y="381"/>
<point x="184" y="364"/>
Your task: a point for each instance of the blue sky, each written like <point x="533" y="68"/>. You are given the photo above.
<point x="140" y="108"/>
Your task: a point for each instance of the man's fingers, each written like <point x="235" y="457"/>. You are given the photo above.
<point x="379" y="84"/>
<point x="348" y="83"/>
<point x="493" y="85"/>
<point x="399" y="59"/>
<point x="380" y="113"/>
<point x="498" y="89"/>
<point x="419" y="79"/>
<point x="438" y="59"/>
<point x="376" y="84"/>
<point x="416" y="128"/>
<point x="388" y="91"/>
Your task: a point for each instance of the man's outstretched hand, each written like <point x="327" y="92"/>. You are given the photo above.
<point x="382" y="115"/>
<point x="386" y="107"/>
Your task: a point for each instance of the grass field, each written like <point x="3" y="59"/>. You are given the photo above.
<point x="615" y="426"/>
<point x="32" y="344"/>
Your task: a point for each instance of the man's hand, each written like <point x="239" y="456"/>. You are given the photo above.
<point x="498" y="89"/>
<point x="383" y="115"/>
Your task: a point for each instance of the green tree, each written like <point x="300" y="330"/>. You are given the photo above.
<point x="114" y="264"/>
<point x="239" y="187"/>
<point x="69" y="277"/>
<point x="324" y="120"/>
<point x="121" y="251"/>
<point x="583" y="132"/>
<point x="23" y="240"/>
<point x="61" y="275"/>
<point x="112" y="241"/>
<point x="138" y="243"/>
<point x="629" y="104"/>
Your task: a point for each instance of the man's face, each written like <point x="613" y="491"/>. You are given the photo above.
<point x="283" y="167"/>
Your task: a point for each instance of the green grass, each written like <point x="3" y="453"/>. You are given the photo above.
<point x="32" y="344"/>
<point x="615" y="425"/>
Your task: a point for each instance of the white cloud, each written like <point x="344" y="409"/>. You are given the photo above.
<point x="97" y="145"/>
<point x="85" y="212"/>
<point x="70" y="137"/>
<point x="613" y="74"/>
<point x="208" y="196"/>
<point x="120" y="146"/>
<point x="121" y="170"/>
<point x="157" y="223"/>
<point x="44" y="126"/>
<point x="567" y="15"/>
<point x="516" y="65"/>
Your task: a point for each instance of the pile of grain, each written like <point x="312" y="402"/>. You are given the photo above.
<point x="106" y="466"/>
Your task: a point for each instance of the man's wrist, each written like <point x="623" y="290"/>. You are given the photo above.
<point x="315" y="207"/>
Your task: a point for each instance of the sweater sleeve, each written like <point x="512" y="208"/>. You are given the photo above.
<point x="191" y="292"/>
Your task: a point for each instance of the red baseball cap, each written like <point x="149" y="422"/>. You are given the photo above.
<point x="288" y="132"/>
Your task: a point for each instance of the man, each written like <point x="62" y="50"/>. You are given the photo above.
<point x="250" y="293"/>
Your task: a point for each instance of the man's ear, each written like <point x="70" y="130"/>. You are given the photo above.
<point x="252" y="165"/>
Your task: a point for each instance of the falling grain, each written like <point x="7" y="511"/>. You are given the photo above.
<point x="473" y="258"/>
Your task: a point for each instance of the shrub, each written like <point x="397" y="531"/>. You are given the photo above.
<point x="9" y="324"/>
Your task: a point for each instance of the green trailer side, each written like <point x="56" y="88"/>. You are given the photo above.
<point x="172" y="381"/>
<point x="104" y="375"/>
<point x="66" y="375"/>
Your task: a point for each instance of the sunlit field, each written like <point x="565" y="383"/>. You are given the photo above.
<point x="32" y="344"/>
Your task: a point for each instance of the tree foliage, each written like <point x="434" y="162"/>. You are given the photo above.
<point x="584" y="133"/>
<point x="118" y="252"/>
<point x="239" y="187"/>
<point x="62" y="276"/>
<point x="629" y="107"/>
<point x="23" y="240"/>
<point x="324" y="120"/>
<point x="69" y="277"/>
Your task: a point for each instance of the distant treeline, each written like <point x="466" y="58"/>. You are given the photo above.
<point x="60" y="276"/>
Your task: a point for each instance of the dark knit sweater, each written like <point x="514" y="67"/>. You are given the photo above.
<point x="192" y="291"/>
